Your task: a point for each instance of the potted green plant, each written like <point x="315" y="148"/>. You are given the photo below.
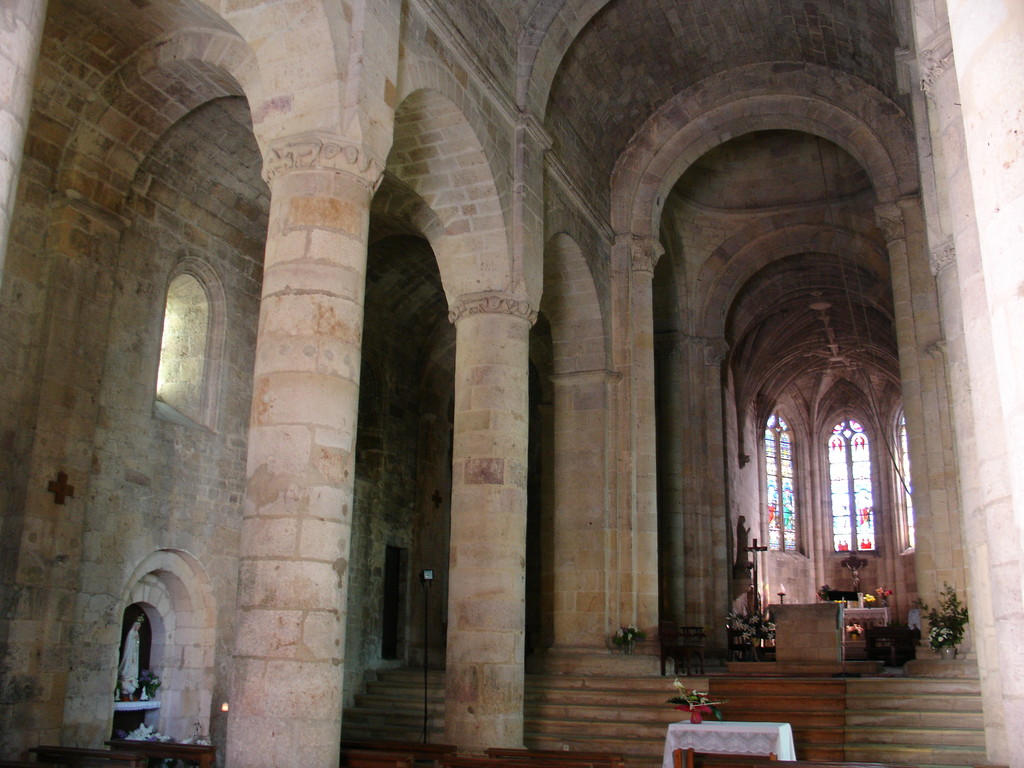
<point x="946" y="622"/>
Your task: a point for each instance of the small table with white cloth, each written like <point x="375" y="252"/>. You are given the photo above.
<point x="731" y="738"/>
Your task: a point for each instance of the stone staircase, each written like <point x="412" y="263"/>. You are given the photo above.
<point x="925" y="721"/>
<point x="930" y="722"/>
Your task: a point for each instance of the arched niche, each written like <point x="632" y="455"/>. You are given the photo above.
<point x="173" y="590"/>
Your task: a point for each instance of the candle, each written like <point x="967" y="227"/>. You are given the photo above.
<point x="224" y="707"/>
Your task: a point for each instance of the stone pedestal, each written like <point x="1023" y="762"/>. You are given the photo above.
<point x="808" y="633"/>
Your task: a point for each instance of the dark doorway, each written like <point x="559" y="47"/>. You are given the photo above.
<point x="394" y="559"/>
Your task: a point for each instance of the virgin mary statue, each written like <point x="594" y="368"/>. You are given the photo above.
<point x="128" y="670"/>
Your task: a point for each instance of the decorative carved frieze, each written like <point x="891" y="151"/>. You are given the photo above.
<point x="491" y="302"/>
<point x="941" y="257"/>
<point x="316" y="151"/>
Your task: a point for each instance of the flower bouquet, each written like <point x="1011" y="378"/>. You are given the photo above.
<point x="149" y="683"/>
<point x="697" y="703"/>
<point x="625" y="637"/>
<point x="883" y="594"/>
<point x="947" y="621"/>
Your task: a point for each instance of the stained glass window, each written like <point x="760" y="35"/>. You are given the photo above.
<point x="906" y="484"/>
<point x="778" y="455"/>
<point x="849" y="469"/>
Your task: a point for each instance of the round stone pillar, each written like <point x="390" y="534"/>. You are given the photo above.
<point x="486" y="598"/>
<point x="21" y="29"/>
<point x="644" y="255"/>
<point x="286" y="691"/>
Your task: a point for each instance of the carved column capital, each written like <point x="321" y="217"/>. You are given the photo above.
<point x="942" y="257"/>
<point x="491" y="302"/>
<point x="644" y="255"/>
<point x="322" y="151"/>
<point x="889" y="219"/>
<point x="934" y="63"/>
<point x="715" y="350"/>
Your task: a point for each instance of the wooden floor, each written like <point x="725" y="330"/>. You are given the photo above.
<point x="923" y="721"/>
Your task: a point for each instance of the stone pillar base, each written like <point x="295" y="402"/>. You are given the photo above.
<point x="936" y="667"/>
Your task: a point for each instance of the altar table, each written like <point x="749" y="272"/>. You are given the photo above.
<point x="733" y="738"/>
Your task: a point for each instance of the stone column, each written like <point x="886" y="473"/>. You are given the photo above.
<point x="288" y="665"/>
<point x="486" y="598"/>
<point x="939" y="550"/>
<point x="956" y="263"/>
<point x="640" y="599"/>
<point x="21" y="29"/>
<point x="580" y="556"/>
<point x="988" y="48"/>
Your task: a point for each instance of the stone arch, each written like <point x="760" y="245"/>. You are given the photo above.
<point x="812" y="99"/>
<point x="570" y="302"/>
<point x="545" y="38"/>
<point x="437" y="153"/>
<point x="151" y="90"/>
<point x="174" y="591"/>
<point x="765" y="241"/>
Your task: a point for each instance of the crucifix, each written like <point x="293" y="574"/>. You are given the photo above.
<point x="753" y="549"/>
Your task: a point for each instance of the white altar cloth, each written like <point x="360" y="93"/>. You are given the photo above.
<point x="735" y="738"/>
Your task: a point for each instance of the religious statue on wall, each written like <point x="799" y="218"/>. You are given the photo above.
<point x="742" y="565"/>
<point x="128" y="669"/>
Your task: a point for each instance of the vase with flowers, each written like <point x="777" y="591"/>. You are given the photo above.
<point x="149" y="683"/>
<point x="626" y="637"/>
<point x="883" y="595"/>
<point x="697" y="703"/>
<point x="946" y="622"/>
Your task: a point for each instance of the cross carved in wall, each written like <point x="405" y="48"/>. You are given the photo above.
<point x="60" y="488"/>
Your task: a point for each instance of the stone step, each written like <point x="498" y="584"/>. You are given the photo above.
<point x="902" y="686"/>
<point x="628" y="714"/>
<point x="856" y="718"/>
<point x="932" y="756"/>
<point x="947" y="736"/>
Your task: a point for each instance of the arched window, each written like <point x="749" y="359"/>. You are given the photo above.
<point x="191" y="346"/>
<point x="778" y="460"/>
<point x="849" y="469"/>
<point x="179" y="381"/>
<point x="906" y="484"/>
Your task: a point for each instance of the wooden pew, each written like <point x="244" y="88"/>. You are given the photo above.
<point x="83" y="757"/>
<point x="610" y="759"/>
<point x="23" y="764"/>
<point x="203" y="755"/>
<point x="375" y="758"/>
<point x="420" y="752"/>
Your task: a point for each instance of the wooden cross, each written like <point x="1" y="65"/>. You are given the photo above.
<point x="60" y="488"/>
<point x="753" y="548"/>
<point x="436" y="498"/>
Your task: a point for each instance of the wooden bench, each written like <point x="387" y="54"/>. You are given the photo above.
<point x="203" y="755"/>
<point x="420" y="752"/>
<point x="83" y="757"/>
<point x="553" y="755"/>
<point x="22" y="764"/>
